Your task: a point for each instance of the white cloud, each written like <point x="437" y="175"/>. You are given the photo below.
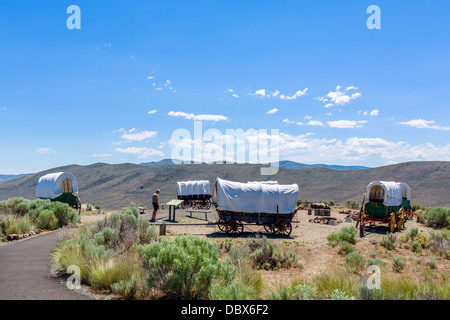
<point x="138" y="136"/>
<point x="375" y="112"/>
<point x="150" y="77"/>
<point x="346" y="124"/>
<point x="328" y="113"/>
<point x="101" y="155"/>
<point x="304" y="148"/>
<point x="295" y="96"/>
<point x="276" y="93"/>
<point x="45" y="150"/>
<point x="272" y="111"/>
<point x="200" y="117"/>
<point x="340" y="98"/>
<point x="424" y="124"/>
<point x="351" y="88"/>
<point x="329" y="105"/>
<point x="141" y="152"/>
<point x="152" y="111"/>
<point x="261" y="92"/>
<point x="307" y="117"/>
<point x="315" y="123"/>
<point x="288" y="121"/>
<point x="234" y="95"/>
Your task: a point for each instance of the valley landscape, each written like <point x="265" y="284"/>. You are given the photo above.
<point x="114" y="186"/>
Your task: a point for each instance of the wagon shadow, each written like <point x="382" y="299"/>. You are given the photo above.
<point x="247" y="235"/>
<point x="382" y="230"/>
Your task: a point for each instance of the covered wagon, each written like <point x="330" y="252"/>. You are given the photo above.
<point x="61" y="187"/>
<point x="196" y="194"/>
<point x="270" y="205"/>
<point x="385" y="202"/>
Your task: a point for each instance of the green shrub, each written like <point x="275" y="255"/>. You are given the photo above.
<point x="345" y="248"/>
<point x="89" y="207"/>
<point x="266" y="255"/>
<point x="354" y="262"/>
<point x="64" y="213"/>
<point x="47" y="220"/>
<point x="24" y="225"/>
<point x="130" y="289"/>
<point x="347" y="234"/>
<point x="341" y="295"/>
<point x="389" y="241"/>
<point x="15" y="206"/>
<point x="436" y="218"/>
<point x="440" y="243"/>
<point x="416" y="247"/>
<point x="83" y="252"/>
<point x="185" y="267"/>
<point x="292" y="292"/>
<point x="22" y="208"/>
<point x="10" y="225"/>
<point x="432" y="263"/>
<point x="107" y="237"/>
<point x="377" y="262"/>
<point x="398" y="264"/>
<point x="132" y="210"/>
<point x="250" y="280"/>
<point x="105" y="273"/>
<point x="335" y="278"/>
<point x="231" y="291"/>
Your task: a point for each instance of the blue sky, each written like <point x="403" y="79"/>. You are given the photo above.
<point x="338" y="92"/>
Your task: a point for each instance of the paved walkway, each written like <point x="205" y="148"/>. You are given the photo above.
<point x="25" y="271"/>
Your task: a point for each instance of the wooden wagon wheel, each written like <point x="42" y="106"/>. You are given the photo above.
<point x="235" y="227"/>
<point x="268" y="228"/>
<point x="79" y="205"/>
<point x="393" y="222"/>
<point x="401" y="219"/>
<point x="283" y="228"/>
<point x="222" y="224"/>
<point x="361" y="224"/>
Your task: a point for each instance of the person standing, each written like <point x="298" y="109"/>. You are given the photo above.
<point x="155" y="202"/>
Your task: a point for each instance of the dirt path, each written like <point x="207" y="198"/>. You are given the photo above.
<point x="25" y="271"/>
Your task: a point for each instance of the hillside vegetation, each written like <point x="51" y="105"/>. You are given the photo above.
<point x="116" y="186"/>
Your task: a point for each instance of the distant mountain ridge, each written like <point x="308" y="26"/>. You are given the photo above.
<point x="116" y="186"/>
<point x="287" y="164"/>
<point x="6" y="177"/>
<point x="284" y="164"/>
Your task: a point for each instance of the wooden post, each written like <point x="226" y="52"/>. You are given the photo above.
<point x="162" y="229"/>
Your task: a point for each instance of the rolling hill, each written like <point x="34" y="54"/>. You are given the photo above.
<point x="115" y="186"/>
<point x="6" y="177"/>
<point x="285" y="164"/>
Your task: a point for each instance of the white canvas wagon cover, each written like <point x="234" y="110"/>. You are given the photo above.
<point x="391" y="192"/>
<point x="53" y="185"/>
<point x="255" y="197"/>
<point x="193" y="188"/>
<point x="264" y="182"/>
